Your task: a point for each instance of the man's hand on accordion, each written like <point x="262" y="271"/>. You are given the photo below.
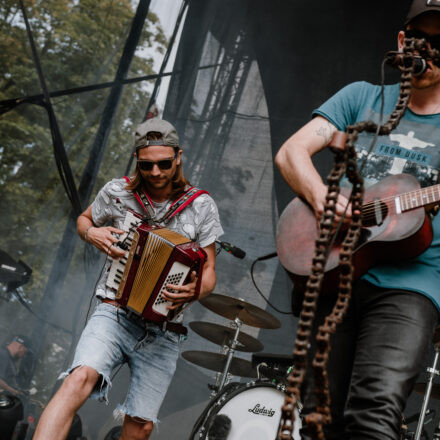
<point x="181" y="294"/>
<point x="104" y="239"/>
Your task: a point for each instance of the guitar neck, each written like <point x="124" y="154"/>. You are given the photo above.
<point x="418" y="198"/>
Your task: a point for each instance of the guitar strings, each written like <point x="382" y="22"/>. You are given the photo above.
<point x="369" y="208"/>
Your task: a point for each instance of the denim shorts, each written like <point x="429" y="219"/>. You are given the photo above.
<point x="112" y="338"/>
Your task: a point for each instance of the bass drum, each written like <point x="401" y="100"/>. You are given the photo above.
<point x="254" y="410"/>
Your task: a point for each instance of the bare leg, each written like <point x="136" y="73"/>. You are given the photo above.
<point x="136" y="429"/>
<point x="57" y="418"/>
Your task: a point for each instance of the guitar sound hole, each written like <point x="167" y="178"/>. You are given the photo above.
<point x="374" y="214"/>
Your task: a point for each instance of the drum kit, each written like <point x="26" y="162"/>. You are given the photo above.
<point x="236" y="410"/>
<point x="427" y="390"/>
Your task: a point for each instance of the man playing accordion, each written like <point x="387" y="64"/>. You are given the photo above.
<point x="113" y="334"/>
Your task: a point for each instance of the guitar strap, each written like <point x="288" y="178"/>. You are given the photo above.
<point x="190" y="194"/>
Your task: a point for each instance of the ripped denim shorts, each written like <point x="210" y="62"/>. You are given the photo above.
<point x="110" y="339"/>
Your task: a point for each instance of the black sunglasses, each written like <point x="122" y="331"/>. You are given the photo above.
<point x="434" y="40"/>
<point x="164" y="164"/>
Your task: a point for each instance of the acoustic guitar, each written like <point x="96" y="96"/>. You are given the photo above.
<point x="395" y="228"/>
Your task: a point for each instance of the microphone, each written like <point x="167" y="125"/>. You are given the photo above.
<point x="231" y="249"/>
<point x="397" y="59"/>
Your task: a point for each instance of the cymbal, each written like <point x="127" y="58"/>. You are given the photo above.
<point x="217" y="361"/>
<point x="222" y="335"/>
<point x="247" y="313"/>
<point x="420" y="388"/>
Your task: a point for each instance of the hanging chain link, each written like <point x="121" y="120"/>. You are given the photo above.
<point x="345" y="163"/>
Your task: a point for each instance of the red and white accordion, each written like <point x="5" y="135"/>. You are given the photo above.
<point x="156" y="257"/>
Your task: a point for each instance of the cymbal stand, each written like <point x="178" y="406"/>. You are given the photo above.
<point x="231" y="351"/>
<point x="432" y="372"/>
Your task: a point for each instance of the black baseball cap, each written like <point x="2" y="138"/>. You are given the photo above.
<point x="167" y="130"/>
<point x="419" y="7"/>
<point x="23" y="340"/>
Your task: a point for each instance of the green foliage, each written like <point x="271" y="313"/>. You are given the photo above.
<point x="79" y="43"/>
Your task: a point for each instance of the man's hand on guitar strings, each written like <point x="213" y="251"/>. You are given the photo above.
<point x="103" y="239"/>
<point x="181" y="294"/>
<point x="341" y="204"/>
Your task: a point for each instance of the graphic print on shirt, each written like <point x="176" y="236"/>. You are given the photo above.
<point x="410" y="148"/>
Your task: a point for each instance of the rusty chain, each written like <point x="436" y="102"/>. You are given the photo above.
<point x="345" y="163"/>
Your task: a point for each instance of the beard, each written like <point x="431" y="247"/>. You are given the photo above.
<point x="431" y="78"/>
<point x="157" y="183"/>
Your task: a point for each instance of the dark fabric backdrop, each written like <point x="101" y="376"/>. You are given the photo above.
<point x="276" y="62"/>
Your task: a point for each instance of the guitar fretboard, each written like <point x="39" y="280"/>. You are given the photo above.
<point x="418" y="198"/>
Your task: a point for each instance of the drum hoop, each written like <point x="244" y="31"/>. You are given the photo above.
<point x="249" y="386"/>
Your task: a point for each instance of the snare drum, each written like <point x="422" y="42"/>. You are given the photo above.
<point x="255" y="411"/>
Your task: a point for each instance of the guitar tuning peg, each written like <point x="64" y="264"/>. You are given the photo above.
<point x="434" y="210"/>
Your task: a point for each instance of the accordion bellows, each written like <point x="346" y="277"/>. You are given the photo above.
<point x="157" y="257"/>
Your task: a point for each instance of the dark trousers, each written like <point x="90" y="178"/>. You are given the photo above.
<point x="376" y="355"/>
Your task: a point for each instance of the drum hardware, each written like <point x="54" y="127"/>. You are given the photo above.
<point x="222" y="335"/>
<point x="406" y="434"/>
<point x="273" y="366"/>
<point x="232" y="308"/>
<point x="230" y="339"/>
<point x="231" y="352"/>
<point x="217" y="362"/>
<point x="432" y="371"/>
<point x="437" y="432"/>
<point x="225" y="364"/>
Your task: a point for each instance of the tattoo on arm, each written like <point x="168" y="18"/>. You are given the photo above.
<point x="326" y="132"/>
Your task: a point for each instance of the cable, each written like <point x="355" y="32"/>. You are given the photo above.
<point x="265" y="257"/>
<point x="23" y="302"/>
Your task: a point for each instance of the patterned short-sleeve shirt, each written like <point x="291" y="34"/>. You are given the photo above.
<point x="199" y="221"/>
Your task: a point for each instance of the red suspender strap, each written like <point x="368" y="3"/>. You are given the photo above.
<point x="144" y="200"/>
<point x="177" y="206"/>
<point x="185" y="200"/>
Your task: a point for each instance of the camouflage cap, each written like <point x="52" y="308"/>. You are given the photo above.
<point x="168" y="132"/>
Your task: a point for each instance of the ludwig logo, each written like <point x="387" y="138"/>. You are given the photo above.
<point x="261" y="410"/>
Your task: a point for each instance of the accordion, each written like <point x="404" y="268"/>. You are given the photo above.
<point x="156" y="257"/>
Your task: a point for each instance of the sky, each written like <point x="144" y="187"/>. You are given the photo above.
<point x="167" y="11"/>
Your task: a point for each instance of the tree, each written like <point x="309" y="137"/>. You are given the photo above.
<point x="79" y="43"/>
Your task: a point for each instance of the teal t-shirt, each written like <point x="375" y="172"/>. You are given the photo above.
<point x="413" y="147"/>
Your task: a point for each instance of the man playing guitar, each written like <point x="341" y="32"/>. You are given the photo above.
<point x="380" y="347"/>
